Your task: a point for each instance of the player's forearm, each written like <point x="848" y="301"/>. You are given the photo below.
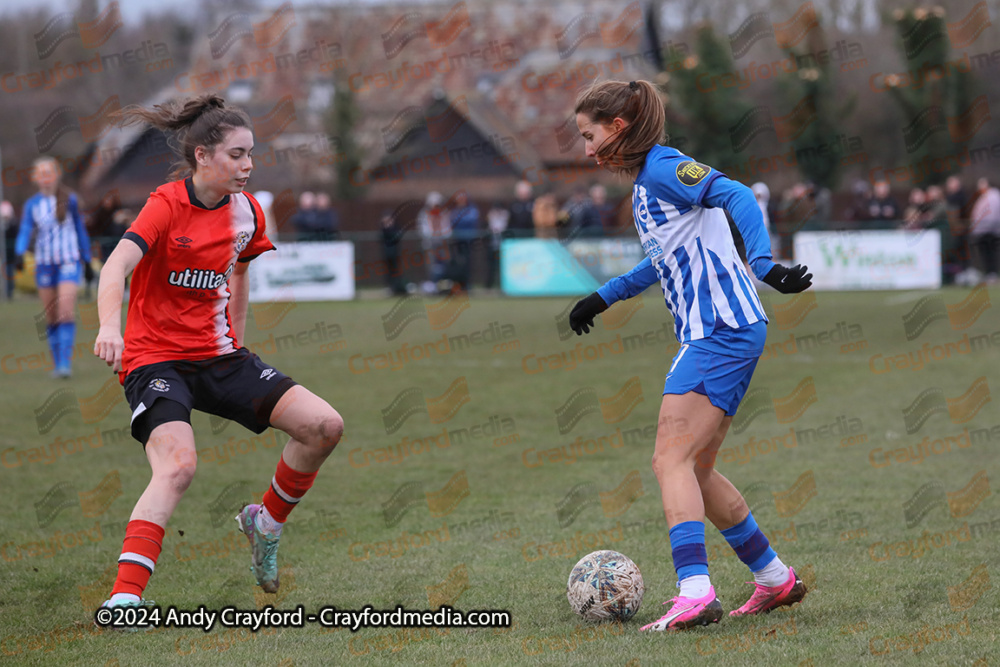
<point x="111" y="288"/>
<point x="239" y="290"/>
<point x="628" y="285"/>
<point x="23" y="234"/>
<point x="111" y="293"/>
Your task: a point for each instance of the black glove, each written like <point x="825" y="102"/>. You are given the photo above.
<point x="19" y="263"/>
<point x="88" y="272"/>
<point x="581" y="318"/>
<point x="789" y="281"/>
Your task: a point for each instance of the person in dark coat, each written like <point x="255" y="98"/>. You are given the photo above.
<point x="521" y="224"/>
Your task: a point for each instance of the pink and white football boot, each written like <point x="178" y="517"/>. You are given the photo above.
<point x="689" y="612"/>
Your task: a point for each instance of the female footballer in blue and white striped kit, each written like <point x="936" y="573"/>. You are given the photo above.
<point x="61" y="243"/>
<point x="718" y="319"/>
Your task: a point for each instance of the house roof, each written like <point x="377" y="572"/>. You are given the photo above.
<point x="508" y="68"/>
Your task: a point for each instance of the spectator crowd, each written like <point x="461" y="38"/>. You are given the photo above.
<point x="459" y="233"/>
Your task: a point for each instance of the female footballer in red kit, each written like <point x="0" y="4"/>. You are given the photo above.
<point x="188" y="252"/>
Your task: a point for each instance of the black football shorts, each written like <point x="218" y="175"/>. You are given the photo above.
<point x="237" y="386"/>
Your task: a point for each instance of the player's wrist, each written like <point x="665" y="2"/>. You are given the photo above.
<point x="607" y="294"/>
<point x="762" y="266"/>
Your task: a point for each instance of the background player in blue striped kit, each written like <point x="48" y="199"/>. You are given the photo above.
<point x="61" y="245"/>
<point x="718" y="319"/>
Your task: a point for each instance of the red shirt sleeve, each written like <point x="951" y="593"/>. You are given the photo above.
<point x="151" y="223"/>
<point x="259" y="244"/>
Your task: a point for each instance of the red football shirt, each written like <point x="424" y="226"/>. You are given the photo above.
<point x="178" y="305"/>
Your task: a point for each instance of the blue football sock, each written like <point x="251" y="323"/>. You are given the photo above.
<point x="55" y="345"/>
<point x="687" y="544"/>
<point x="750" y="544"/>
<point x="67" y="337"/>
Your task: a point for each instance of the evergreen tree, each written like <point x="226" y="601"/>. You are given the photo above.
<point x="938" y="117"/>
<point x="341" y="121"/>
<point x="708" y="115"/>
<point x="819" y="116"/>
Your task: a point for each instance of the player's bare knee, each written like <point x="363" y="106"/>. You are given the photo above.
<point x="182" y="478"/>
<point x="324" y="433"/>
<point x="338" y="424"/>
<point x="179" y="473"/>
<point x="663" y="462"/>
<point x="331" y="430"/>
<point x="668" y="456"/>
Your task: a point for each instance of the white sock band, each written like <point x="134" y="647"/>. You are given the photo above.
<point x="695" y="586"/>
<point x="774" y="574"/>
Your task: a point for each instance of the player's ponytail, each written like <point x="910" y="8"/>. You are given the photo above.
<point x="199" y="121"/>
<point x="636" y="102"/>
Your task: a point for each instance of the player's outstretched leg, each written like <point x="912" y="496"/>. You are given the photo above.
<point x="776" y="585"/>
<point x="65" y="329"/>
<point x="173" y="459"/>
<point x="315" y="429"/>
<point x="48" y="296"/>
<point x="674" y="466"/>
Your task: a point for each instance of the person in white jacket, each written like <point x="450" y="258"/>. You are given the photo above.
<point x="763" y="195"/>
<point x="984" y="232"/>
<point x="434" y="223"/>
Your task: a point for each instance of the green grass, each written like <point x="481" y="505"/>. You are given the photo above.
<point x="855" y="601"/>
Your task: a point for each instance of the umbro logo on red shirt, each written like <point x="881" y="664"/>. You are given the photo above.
<point x="184" y="242"/>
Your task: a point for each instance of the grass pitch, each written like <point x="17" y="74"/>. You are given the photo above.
<point x="484" y="456"/>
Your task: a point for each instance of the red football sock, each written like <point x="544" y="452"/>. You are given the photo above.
<point x="287" y="488"/>
<point x="143" y="541"/>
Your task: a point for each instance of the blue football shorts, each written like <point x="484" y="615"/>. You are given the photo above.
<point x="723" y="379"/>
<point x="49" y="275"/>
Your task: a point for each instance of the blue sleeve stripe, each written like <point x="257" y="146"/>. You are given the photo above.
<point x="751" y="296"/>
<point x="684" y="267"/>
<point x="739" y="200"/>
<point x="726" y="283"/>
<point x="671" y="297"/>
<point x="705" y="301"/>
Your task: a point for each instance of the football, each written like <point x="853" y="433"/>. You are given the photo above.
<point x="605" y="586"/>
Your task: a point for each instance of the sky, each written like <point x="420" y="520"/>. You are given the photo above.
<point x="133" y="10"/>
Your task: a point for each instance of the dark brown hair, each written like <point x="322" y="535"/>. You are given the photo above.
<point x="638" y="104"/>
<point x="199" y="121"/>
<point x="62" y="192"/>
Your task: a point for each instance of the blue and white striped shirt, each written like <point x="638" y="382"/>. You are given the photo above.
<point x="690" y="249"/>
<point x="58" y="241"/>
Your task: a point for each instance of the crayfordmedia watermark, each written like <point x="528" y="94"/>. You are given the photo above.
<point x="743" y="642"/>
<point x="919" y="640"/>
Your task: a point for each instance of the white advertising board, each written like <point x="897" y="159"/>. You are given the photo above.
<point x="871" y="260"/>
<point x="321" y="271"/>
